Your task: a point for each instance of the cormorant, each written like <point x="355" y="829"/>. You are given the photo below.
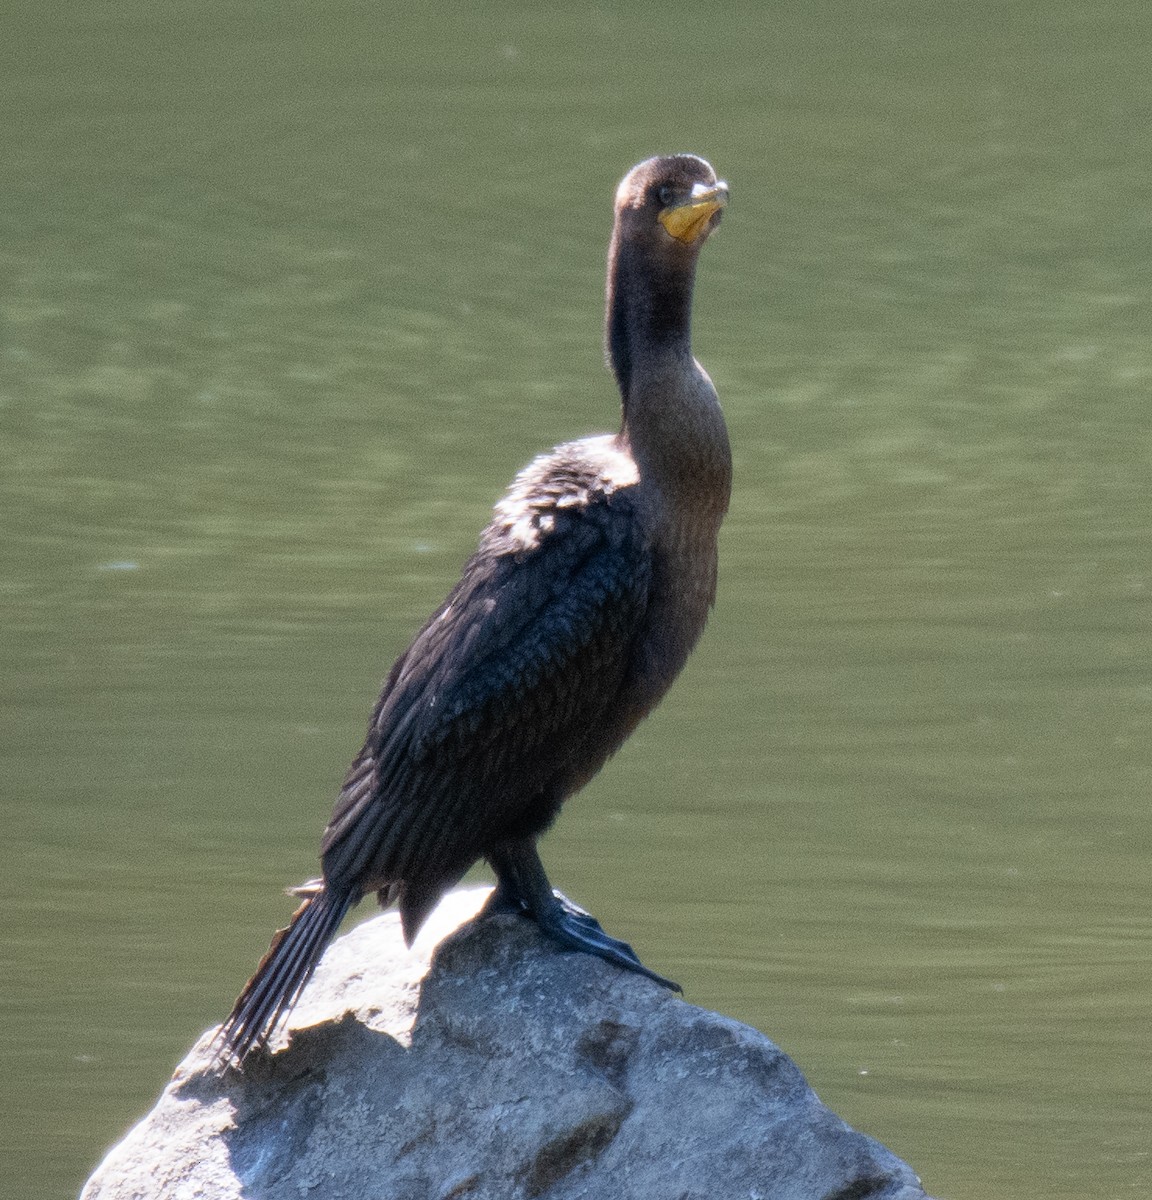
<point x="590" y="586"/>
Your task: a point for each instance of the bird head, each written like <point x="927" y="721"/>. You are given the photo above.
<point x="673" y="201"/>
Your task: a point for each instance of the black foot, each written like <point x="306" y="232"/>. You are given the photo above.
<point x="524" y="888"/>
<point x="572" y="927"/>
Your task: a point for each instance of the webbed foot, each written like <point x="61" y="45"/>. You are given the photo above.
<point x="523" y="887"/>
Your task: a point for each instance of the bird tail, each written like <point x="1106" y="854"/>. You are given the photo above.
<point x="282" y="973"/>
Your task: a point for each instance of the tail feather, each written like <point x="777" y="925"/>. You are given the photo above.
<point x="280" y="978"/>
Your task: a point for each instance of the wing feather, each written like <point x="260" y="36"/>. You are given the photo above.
<point x="497" y="708"/>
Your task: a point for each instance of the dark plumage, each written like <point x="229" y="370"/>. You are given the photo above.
<point x="588" y="591"/>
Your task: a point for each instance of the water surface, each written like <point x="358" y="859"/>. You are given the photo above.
<point x="288" y="296"/>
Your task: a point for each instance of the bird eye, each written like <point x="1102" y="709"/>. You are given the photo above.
<point x="667" y="195"/>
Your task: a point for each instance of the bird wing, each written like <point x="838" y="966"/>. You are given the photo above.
<point x="499" y="703"/>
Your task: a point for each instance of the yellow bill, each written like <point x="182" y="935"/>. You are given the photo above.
<point x="692" y="217"/>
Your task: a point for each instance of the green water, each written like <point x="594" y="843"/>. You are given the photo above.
<point x="290" y="291"/>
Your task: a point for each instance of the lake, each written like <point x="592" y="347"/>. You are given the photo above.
<point x="290" y="292"/>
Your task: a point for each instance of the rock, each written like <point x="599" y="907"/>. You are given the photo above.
<point x="497" y="1068"/>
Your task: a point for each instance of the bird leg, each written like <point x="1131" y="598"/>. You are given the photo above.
<point x="523" y="887"/>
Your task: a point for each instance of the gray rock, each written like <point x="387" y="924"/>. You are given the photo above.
<point x="498" y="1068"/>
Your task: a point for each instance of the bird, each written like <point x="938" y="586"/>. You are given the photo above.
<point x="589" y="588"/>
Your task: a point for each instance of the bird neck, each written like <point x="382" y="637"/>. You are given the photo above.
<point x="672" y="420"/>
<point x="649" y="313"/>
